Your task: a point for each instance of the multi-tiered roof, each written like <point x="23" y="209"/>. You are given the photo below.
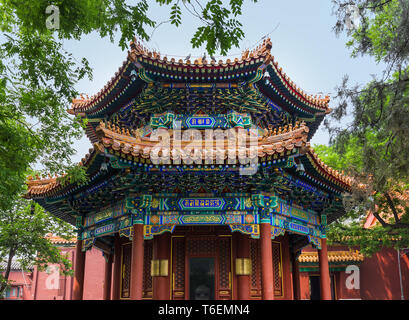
<point x="150" y="91"/>
<point x="147" y="83"/>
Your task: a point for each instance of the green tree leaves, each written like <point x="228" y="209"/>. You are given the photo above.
<point x="220" y="32"/>
<point x="37" y="84"/>
<point x="38" y="76"/>
<point x="379" y="109"/>
<point x="175" y="15"/>
<point x="24" y="227"/>
<point x="390" y="230"/>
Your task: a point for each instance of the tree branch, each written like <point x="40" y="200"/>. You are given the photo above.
<point x="382" y="222"/>
<point x="392" y="206"/>
<point x="156" y="27"/>
<point x="379" y="4"/>
<point x="398" y="225"/>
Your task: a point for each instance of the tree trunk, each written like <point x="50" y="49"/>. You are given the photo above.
<point x="7" y="273"/>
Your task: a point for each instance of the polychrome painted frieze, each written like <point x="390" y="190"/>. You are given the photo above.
<point x="241" y="213"/>
<point x="106" y="214"/>
<point x="181" y="121"/>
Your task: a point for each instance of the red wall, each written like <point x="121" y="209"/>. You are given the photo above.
<point x="42" y="281"/>
<point x="342" y="292"/>
<point x="94" y="275"/>
<point x="22" y="280"/>
<point x="380" y="276"/>
<point x="93" y="283"/>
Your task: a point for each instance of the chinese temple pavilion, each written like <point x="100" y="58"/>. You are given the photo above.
<point x="202" y="182"/>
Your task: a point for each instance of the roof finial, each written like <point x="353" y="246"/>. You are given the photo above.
<point x="245" y="54"/>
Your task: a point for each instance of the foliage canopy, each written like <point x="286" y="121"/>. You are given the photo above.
<point x="37" y="84"/>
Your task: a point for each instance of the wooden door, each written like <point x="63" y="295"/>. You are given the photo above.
<point x="255" y="279"/>
<point x="225" y="263"/>
<point x="210" y="253"/>
<point x="126" y="258"/>
<point x="147" y="278"/>
<point x="178" y="268"/>
<point x="126" y="271"/>
<point x="278" y="269"/>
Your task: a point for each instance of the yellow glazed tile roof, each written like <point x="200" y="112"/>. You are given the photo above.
<point x="333" y="256"/>
<point x="137" y="54"/>
<point x="58" y="240"/>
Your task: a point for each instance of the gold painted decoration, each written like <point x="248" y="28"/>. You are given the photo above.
<point x="243" y="266"/>
<point x="155" y="268"/>
<point x="160" y="268"/>
<point x="155" y="203"/>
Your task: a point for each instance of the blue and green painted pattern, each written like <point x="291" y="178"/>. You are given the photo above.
<point x="230" y="120"/>
<point x="242" y="213"/>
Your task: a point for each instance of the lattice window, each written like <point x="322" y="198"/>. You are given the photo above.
<point x="200" y="246"/>
<point x="277" y="267"/>
<point x="147" y="278"/>
<point x="255" y="255"/>
<point x="126" y="270"/>
<point x="179" y="265"/>
<point x="224" y="263"/>
<point x="255" y="267"/>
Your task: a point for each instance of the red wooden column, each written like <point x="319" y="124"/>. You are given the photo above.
<point x="137" y="263"/>
<point x="267" y="278"/>
<point x="108" y="277"/>
<point x="78" y="285"/>
<point x="243" y="281"/>
<point x="325" y="283"/>
<point x="117" y="269"/>
<point x="296" y="277"/>
<point x="161" y="251"/>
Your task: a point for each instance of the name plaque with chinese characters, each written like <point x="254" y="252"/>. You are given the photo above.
<point x="200" y="122"/>
<point x="201" y="204"/>
<point x="105" y="229"/>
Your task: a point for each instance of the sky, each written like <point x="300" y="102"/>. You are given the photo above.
<point x="304" y="44"/>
